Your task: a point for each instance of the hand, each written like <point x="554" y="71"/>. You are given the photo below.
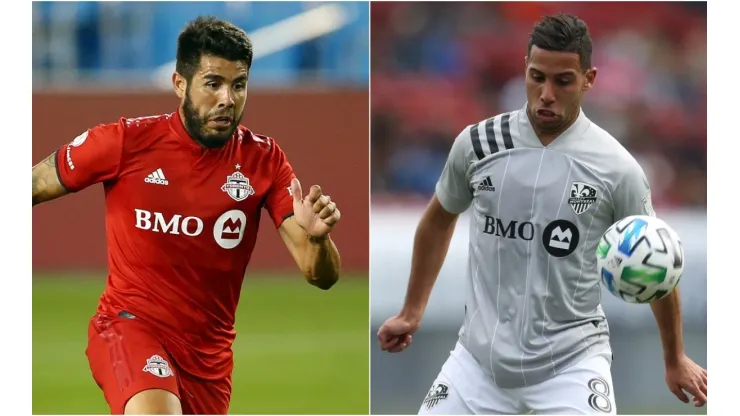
<point x="317" y="213"/>
<point x="689" y="376"/>
<point x="395" y="335"/>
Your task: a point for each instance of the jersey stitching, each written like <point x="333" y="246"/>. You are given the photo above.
<point x="526" y="279"/>
<point x="498" y="289"/>
<point x="547" y="278"/>
<point x="120" y="158"/>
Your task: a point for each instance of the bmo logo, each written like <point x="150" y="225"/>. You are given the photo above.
<point x="156" y="222"/>
<point x="229" y="228"/>
<point x="228" y="231"/>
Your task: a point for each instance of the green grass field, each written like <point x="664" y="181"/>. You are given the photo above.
<point x="298" y="349"/>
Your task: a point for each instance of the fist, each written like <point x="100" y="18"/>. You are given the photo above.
<point x="395" y="335"/>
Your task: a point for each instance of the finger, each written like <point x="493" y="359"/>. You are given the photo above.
<point x="321" y="203"/>
<point x="399" y="347"/>
<point x="700" y="400"/>
<point x="391" y="343"/>
<point x="385" y="341"/>
<point x="679" y="393"/>
<point x="333" y="218"/>
<point x="314" y="194"/>
<point x="405" y="342"/>
<point x="702" y="392"/>
<point x="295" y="189"/>
<point x="384" y="335"/>
<point x="694" y="390"/>
<point x="386" y="345"/>
<point x="327" y="210"/>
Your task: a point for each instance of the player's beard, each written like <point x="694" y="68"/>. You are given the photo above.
<point x="196" y="126"/>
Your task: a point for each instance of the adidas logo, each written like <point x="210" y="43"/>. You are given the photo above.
<point x="486" y="185"/>
<point x="157" y="177"/>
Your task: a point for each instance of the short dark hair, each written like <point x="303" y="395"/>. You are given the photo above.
<point x="210" y="36"/>
<point x="563" y="33"/>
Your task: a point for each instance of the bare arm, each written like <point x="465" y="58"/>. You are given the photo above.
<point x="667" y="312"/>
<point x="431" y="242"/>
<point x="46" y="185"/>
<point x="318" y="258"/>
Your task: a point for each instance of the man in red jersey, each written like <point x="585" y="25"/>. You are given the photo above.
<point x="184" y="192"/>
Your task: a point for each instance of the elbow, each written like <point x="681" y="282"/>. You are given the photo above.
<point x="323" y="282"/>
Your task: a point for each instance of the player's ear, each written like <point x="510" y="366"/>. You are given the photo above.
<point x="590" y="79"/>
<point x="180" y="84"/>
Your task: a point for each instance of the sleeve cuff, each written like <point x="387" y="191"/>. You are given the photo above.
<point x="450" y="203"/>
<point x="59" y="173"/>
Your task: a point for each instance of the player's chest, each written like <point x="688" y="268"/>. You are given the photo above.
<point x="203" y="190"/>
<point x="538" y="183"/>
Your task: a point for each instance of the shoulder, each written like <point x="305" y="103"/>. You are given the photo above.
<point x="133" y="127"/>
<point x="500" y="121"/>
<point x="260" y="143"/>
<point x="479" y="139"/>
<point x="143" y="123"/>
<point x="614" y="154"/>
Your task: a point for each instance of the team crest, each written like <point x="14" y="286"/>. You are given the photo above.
<point x="158" y="366"/>
<point x="237" y="186"/>
<point x="582" y="196"/>
<point x="438" y="392"/>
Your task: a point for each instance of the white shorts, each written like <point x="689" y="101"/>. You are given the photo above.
<point x="462" y="387"/>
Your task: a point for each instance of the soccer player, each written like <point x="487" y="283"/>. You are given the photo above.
<point x="544" y="183"/>
<point x="184" y="192"/>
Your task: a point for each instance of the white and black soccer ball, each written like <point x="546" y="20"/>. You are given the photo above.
<point x="640" y="259"/>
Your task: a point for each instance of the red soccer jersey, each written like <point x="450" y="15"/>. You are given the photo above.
<point x="181" y="224"/>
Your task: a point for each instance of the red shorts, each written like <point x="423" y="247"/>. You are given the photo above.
<point x="127" y="357"/>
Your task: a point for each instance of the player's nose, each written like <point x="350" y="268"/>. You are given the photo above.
<point x="547" y="95"/>
<point x="226" y="99"/>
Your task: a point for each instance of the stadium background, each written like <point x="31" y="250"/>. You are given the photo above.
<point x="299" y="349"/>
<point x="437" y="67"/>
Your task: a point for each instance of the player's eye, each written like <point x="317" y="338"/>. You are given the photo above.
<point x="213" y="85"/>
<point x="564" y="81"/>
<point x="537" y="78"/>
<point x="239" y="87"/>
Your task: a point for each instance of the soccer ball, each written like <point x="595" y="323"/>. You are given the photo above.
<point x="640" y="259"/>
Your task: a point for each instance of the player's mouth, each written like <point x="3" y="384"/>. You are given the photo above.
<point x="222" y="121"/>
<point x="546" y="115"/>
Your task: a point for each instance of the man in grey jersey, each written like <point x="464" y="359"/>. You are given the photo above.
<point x="542" y="184"/>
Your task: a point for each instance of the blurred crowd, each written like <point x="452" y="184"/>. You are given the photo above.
<point x="119" y="43"/>
<point x="438" y="67"/>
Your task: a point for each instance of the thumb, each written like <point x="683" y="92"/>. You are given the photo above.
<point x="678" y="392"/>
<point x="295" y="188"/>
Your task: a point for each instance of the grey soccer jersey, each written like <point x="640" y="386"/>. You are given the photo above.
<point x="533" y="298"/>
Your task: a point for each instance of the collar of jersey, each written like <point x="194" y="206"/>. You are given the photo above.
<point x="178" y="128"/>
<point x="574" y="131"/>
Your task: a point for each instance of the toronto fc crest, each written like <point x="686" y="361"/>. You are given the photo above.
<point x="237" y="186"/>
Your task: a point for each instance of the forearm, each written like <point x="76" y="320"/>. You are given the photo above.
<point x="667" y="313"/>
<point x="320" y="262"/>
<point x="45" y="184"/>
<point x="431" y="242"/>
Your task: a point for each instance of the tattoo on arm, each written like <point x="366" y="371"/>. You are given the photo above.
<point x="45" y="181"/>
